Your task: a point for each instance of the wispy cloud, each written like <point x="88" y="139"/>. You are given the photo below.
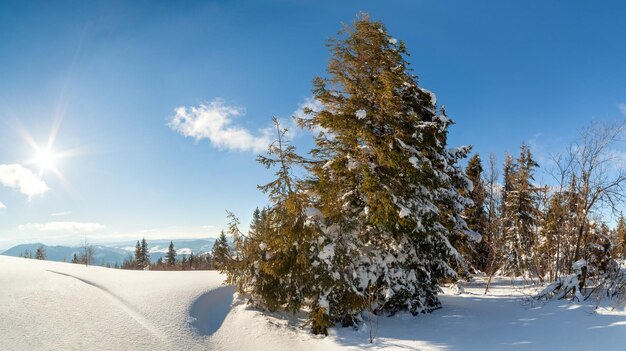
<point x="622" y="108"/>
<point x="309" y="103"/>
<point x="2" y="206"/>
<point x="60" y="214"/>
<point x="17" y="177"/>
<point x="67" y="227"/>
<point x="214" y="122"/>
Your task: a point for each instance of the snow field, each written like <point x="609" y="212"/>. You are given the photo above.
<point x="59" y="306"/>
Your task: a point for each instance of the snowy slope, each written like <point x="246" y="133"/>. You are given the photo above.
<point x="48" y="305"/>
<point x="53" y="306"/>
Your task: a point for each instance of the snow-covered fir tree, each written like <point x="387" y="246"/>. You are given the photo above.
<point x="476" y="215"/>
<point x="520" y="211"/>
<point x="384" y="187"/>
<point x="368" y="227"/>
<point x="274" y="259"/>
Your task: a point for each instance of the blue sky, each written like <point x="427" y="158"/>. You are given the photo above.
<point x="111" y="75"/>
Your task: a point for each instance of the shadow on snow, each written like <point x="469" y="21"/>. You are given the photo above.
<point x="209" y="311"/>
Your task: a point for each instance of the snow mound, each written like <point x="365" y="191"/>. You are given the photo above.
<point x="457" y="289"/>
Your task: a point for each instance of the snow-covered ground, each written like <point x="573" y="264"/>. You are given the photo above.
<point x="60" y="306"/>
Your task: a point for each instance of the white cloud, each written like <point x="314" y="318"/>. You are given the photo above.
<point x="214" y="122"/>
<point x="309" y="103"/>
<point x="59" y="214"/>
<point x="71" y="227"/>
<point x="622" y="108"/>
<point x="17" y="177"/>
<point x="2" y="206"/>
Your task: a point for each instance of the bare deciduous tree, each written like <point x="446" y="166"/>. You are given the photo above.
<point x="88" y="251"/>
<point x="592" y="166"/>
<point x="493" y="228"/>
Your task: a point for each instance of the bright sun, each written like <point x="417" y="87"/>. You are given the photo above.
<point x="45" y="159"/>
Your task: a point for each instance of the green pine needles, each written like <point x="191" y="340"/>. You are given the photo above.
<point x="368" y="224"/>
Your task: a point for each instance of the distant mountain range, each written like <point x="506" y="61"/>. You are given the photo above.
<point x="116" y="252"/>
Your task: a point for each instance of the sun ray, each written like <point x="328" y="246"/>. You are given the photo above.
<point x="45" y="156"/>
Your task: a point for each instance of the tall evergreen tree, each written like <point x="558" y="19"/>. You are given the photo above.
<point x="170" y="256"/>
<point x="369" y="225"/>
<point x="520" y="213"/>
<point x="138" y="256"/>
<point x="145" y="254"/>
<point x="142" y="254"/>
<point x="384" y="183"/>
<point x="475" y="215"/>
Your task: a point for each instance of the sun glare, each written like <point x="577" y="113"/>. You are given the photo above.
<point x="45" y="159"/>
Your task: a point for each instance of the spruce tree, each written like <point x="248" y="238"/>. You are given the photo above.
<point x="138" y="256"/>
<point x="170" y="256"/>
<point x="384" y="186"/>
<point x="281" y="238"/>
<point x="273" y="262"/>
<point x="520" y="213"/>
<point x="475" y="215"/>
<point x="40" y="254"/>
<point x="220" y="252"/>
<point x="145" y="254"/>
<point x="255" y="223"/>
<point x="368" y="226"/>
